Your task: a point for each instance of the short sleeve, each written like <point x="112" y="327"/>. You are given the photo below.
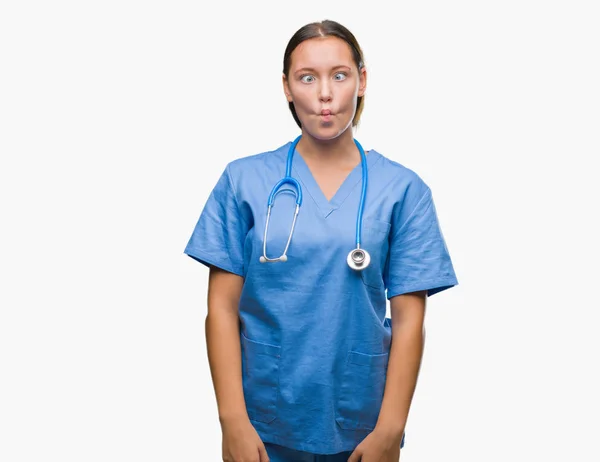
<point x="219" y="235"/>
<point x="418" y="256"/>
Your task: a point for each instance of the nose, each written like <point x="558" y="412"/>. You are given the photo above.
<point x="325" y="93"/>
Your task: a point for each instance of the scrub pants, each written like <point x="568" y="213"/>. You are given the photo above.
<point x="282" y="454"/>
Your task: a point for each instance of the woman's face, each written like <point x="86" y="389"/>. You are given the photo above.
<point x="323" y="84"/>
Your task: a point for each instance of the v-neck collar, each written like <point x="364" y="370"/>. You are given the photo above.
<point x="310" y="185"/>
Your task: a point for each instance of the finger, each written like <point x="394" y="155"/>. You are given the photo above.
<point x="262" y="451"/>
<point x="355" y="456"/>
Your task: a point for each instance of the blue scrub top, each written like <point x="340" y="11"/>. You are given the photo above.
<point x="314" y="334"/>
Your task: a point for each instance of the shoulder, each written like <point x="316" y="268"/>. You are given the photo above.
<point x="256" y="163"/>
<point x="405" y="183"/>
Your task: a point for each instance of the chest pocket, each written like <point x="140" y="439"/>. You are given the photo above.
<point x="375" y="240"/>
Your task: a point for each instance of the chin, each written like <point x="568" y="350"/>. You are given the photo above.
<point x="326" y="133"/>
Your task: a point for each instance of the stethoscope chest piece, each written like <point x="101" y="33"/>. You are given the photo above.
<point x="358" y="259"/>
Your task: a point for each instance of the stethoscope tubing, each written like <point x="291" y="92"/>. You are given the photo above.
<point x="289" y="179"/>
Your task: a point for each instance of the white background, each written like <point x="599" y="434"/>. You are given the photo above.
<point x="117" y="117"/>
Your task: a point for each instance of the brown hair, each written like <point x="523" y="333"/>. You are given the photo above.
<point x="324" y="29"/>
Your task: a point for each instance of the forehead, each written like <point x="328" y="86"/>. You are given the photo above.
<point x="322" y="52"/>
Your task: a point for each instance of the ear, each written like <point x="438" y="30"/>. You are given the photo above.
<point x="362" y="81"/>
<point x="286" y="88"/>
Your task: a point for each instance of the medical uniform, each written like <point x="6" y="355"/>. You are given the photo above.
<point x="314" y="334"/>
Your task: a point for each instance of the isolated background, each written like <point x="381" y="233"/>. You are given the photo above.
<point x="117" y="117"/>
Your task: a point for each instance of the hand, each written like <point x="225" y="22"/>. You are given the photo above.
<point x="378" y="446"/>
<point x="241" y="442"/>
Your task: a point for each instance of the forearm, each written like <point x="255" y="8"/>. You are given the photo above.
<point x="403" y="369"/>
<point x="224" y="356"/>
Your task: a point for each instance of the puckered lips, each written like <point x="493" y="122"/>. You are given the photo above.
<point x="326" y="115"/>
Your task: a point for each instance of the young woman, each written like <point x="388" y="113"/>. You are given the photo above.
<point x="304" y="362"/>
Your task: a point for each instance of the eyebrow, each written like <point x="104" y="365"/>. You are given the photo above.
<point x="310" y="69"/>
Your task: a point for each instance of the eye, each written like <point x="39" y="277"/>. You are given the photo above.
<point x="340" y="76"/>
<point x="305" y="78"/>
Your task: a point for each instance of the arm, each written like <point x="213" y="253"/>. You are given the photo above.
<point x="408" y="338"/>
<point x="223" y="343"/>
<point x="240" y="439"/>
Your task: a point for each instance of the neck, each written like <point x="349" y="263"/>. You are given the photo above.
<point x="335" y="151"/>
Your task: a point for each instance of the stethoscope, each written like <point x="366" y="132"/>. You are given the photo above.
<point x="358" y="259"/>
